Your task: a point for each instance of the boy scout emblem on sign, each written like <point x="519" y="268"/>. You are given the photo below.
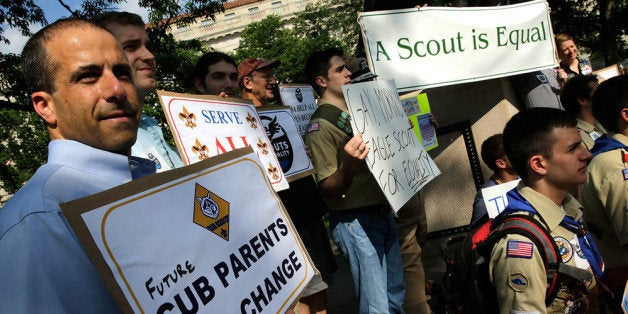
<point x="211" y="212"/>
<point x="188" y="117"/>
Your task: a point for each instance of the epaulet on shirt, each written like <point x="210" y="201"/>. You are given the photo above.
<point x="333" y="115"/>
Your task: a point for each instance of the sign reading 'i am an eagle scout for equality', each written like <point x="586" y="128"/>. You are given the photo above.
<point x="212" y="237"/>
<point x="204" y="126"/>
<point x="437" y="46"/>
<point x="396" y="158"/>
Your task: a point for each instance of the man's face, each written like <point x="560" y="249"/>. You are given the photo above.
<point x="134" y="41"/>
<point x="94" y="101"/>
<point x="222" y="77"/>
<point x="567" y="167"/>
<point x="261" y="83"/>
<point x="337" y="76"/>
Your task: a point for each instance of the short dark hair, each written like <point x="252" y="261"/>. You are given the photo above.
<point x="608" y="101"/>
<point x="121" y="18"/>
<point x="577" y="87"/>
<point x="318" y="64"/>
<point x="493" y="149"/>
<point x="209" y="58"/>
<point x="38" y="68"/>
<point x="530" y="132"/>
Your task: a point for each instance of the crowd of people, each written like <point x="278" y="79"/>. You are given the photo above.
<point x="89" y="80"/>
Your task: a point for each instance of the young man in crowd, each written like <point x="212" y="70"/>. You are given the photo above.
<point x="605" y="194"/>
<point x="576" y="98"/>
<point x="543" y="145"/>
<point x="216" y="73"/>
<point x="361" y="221"/>
<point x="82" y="87"/>
<point x="129" y="30"/>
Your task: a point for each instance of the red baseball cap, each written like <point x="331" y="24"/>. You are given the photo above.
<point x="248" y="65"/>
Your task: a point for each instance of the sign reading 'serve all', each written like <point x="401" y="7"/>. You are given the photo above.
<point x="437" y="46"/>
<point x="212" y="237"/>
<point x="205" y="126"/>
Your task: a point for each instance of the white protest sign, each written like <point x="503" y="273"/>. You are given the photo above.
<point x="495" y="197"/>
<point x="437" y="46"/>
<point x="188" y="241"/>
<point x="205" y="126"/>
<point x="396" y="157"/>
<point x="286" y="141"/>
<point x="301" y="100"/>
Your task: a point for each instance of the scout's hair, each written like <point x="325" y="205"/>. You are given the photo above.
<point x="579" y="86"/>
<point x="493" y="149"/>
<point x="609" y="99"/>
<point x="530" y="132"/>
<point x="209" y="58"/>
<point x="38" y="68"/>
<point x="318" y="64"/>
<point x="121" y="18"/>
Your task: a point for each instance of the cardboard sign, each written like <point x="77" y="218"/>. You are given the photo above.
<point x="204" y="126"/>
<point x="187" y="240"/>
<point x="396" y="158"/>
<point x="302" y="103"/>
<point x="495" y="197"/>
<point x="417" y="108"/>
<point x="437" y="46"/>
<point x="286" y="141"/>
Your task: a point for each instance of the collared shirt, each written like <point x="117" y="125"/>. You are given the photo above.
<point x="589" y="133"/>
<point x="151" y="145"/>
<point x="44" y="269"/>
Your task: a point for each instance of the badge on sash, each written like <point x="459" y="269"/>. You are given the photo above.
<point x="564" y="248"/>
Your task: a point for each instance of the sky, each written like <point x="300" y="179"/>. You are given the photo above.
<point x="53" y="11"/>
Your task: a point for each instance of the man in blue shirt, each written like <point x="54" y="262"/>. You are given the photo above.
<point x="82" y="88"/>
<point x="129" y="30"/>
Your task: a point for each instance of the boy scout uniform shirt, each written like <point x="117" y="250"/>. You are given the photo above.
<point x="521" y="282"/>
<point x="589" y="133"/>
<point x="326" y="142"/>
<point x="605" y="197"/>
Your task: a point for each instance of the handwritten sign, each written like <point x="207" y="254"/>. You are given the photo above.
<point x="437" y="46"/>
<point x="205" y="126"/>
<point x="495" y="197"/>
<point x="302" y="103"/>
<point x="417" y="108"/>
<point x="187" y="241"/>
<point x="396" y="158"/>
<point x="286" y="141"/>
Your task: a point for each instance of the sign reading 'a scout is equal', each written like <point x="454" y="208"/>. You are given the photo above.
<point x="205" y="126"/>
<point x="186" y="241"/>
<point x="286" y="142"/>
<point x="396" y="157"/>
<point x="436" y="46"/>
<point x="302" y="103"/>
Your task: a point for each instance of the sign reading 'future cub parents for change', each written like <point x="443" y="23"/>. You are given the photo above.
<point x="396" y="157"/>
<point x="187" y="241"/>
<point x="436" y="46"/>
<point x="205" y="126"/>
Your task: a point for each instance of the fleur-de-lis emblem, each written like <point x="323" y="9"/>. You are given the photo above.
<point x="251" y="120"/>
<point x="263" y="146"/>
<point x="201" y="150"/>
<point x="188" y="117"/>
<point x="273" y="171"/>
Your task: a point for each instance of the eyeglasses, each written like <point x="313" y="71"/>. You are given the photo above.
<point x="266" y="76"/>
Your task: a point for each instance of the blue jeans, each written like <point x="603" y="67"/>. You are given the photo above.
<point x="369" y="241"/>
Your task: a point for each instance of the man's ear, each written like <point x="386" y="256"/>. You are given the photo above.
<point x="500" y="163"/>
<point x="44" y="106"/>
<point x="321" y="81"/>
<point x="246" y="82"/>
<point x="200" y="85"/>
<point x="623" y="115"/>
<point x="537" y="165"/>
<point x="582" y="101"/>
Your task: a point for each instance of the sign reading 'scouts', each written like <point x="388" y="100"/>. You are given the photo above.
<point x="437" y="46"/>
<point x="212" y="237"/>
<point x="396" y="158"/>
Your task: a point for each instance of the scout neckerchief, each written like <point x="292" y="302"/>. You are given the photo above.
<point x="605" y="144"/>
<point x="335" y="116"/>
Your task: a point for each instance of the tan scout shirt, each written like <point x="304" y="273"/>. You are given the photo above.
<point x="520" y="283"/>
<point x="589" y="133"/>
<point x="326" y="143"/>
<point x="605" y="199"/>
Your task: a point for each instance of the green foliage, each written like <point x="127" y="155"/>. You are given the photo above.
<point x="20" y="14"/>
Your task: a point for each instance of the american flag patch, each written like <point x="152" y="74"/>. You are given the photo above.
<point x="519" y="249"/>
<point x="312" y="127"/>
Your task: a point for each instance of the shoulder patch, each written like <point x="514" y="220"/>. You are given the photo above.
<point x="519" y="249"/>
<point x="312" y="127"/>
<point x="564" y="248"/>
<point x="518" y="282"/>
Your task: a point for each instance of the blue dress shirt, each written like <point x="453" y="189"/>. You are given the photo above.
<point x="151" y="144"/>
